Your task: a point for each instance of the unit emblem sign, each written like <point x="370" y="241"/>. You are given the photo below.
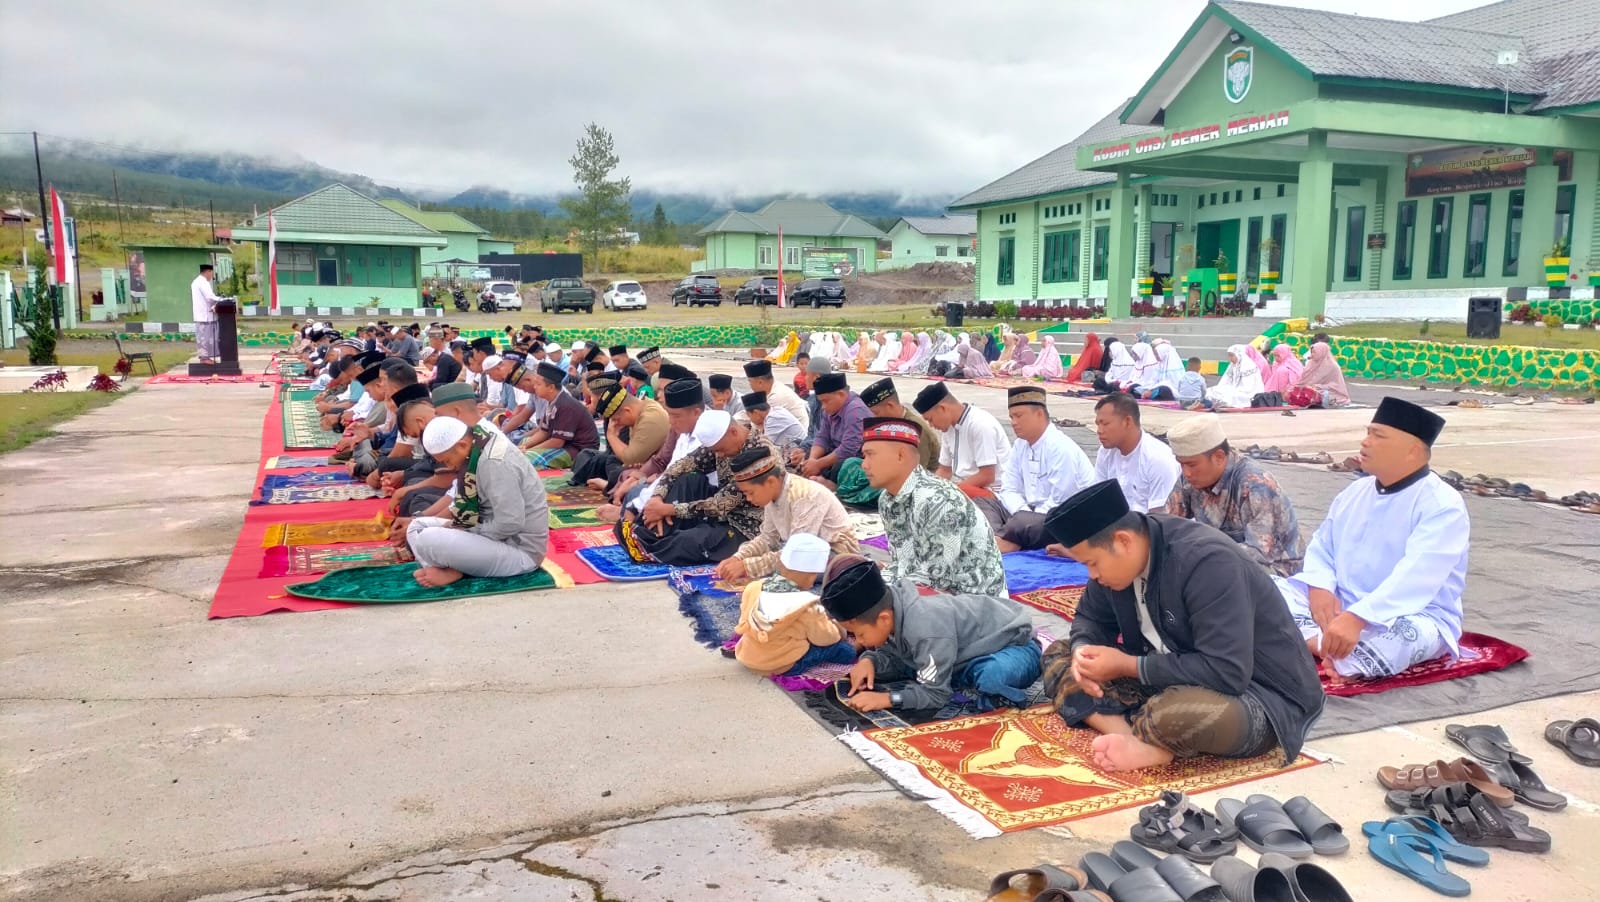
<point x="1238" y="71"/>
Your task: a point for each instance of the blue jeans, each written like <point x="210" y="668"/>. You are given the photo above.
<point x="841" y="652"/>
<point x="1005" y="674"/>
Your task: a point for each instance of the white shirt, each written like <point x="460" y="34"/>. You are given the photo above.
<point x="1147" y="627"/>
<point x="784" y="396"/>
<point x="687" y="445"/>
<point x="203" y="296"/>
<point x="977" y="440"/>
<point x="1147" y="475"/>
<point x="1040" y="476"/>
<point x="1388" y="554"/>
<point x="362" y="408"/>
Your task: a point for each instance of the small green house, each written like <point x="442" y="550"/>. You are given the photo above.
<point x="817" y="240"/>
<point x="169" y="270"/>
<point x="467" y="240"/>
<point x="932" y="239"/>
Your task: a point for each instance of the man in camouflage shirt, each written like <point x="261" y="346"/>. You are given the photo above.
<point x="1231" y="493"/>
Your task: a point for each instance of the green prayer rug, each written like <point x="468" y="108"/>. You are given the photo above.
<point x="563" y="517"/>
<point x="560" y="492"/>
<point x="302" y="424"/>
<point x="396" y="585"/>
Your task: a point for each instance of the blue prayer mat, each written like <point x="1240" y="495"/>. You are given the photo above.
<point x="713" y="607"/>
<point x="1030" y="570"/>
<point x="613" y="563"/>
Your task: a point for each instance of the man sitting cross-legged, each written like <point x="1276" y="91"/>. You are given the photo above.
<point x="496" y="524"/>
<point x="838" y="437"/>
<point x="1228" y="491"/>
<point x="972" y="443"/>
<point x="636" y="428"/>
<point x="1383" y="577"/>
<point x="1045" y="468"/>
<point x="566" y="427"/>
<point x="689" y="518"/>
<point x="1180" y="646"/>
<point x="789" y="505"/>
<point x="937" y="538"/>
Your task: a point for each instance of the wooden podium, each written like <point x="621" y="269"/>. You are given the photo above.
<point x="227" y="343"/>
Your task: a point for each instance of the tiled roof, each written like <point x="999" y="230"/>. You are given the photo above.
<point x="438" y="220"/>
<point x="1562" y="35"/>
<point x="797" y="217"/>
<point x="954" y="224"/>
<point x="340" y="210"/>
<point x="1056" y="170"/>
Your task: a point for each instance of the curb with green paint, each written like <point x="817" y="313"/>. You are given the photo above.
<point x="1433" y="361"/>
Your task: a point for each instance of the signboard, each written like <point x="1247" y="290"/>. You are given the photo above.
<point x="1378" y="241"/>
<point x="1238" y="71"/>
<point x="1457" y="169"/>
<point x="136" y="274"/>
<point x="816" y="262"/>
<point x="1185" y="137"/>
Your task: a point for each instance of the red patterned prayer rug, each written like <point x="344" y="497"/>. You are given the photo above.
<point x="1061" y="601"/>
<point x="570" y="540"/>
<point x="1479" y="654"/>
<point x="299" y="560"/>
<point x="1012" y="770"/>
<point x="171" y="378"/>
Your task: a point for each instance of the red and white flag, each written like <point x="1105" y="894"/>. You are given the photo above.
<point x="272" y="264"/>
<point x="58" y="238"/>
<point x="782" y="301"/>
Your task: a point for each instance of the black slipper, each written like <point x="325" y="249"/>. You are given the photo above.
<point x="1191" y="883"/>
<point x="1580" y="739"/>
<point x="1263" y="825"/>
<point x="1244" y="883"/>
<point x="1323" y="832"/>
<point x="1174" y="825"/>
<point x="1526" y="786"/>
<point x="1137" y="885"/>
<point x="1487" y="742"/>
<point x="1309" y="881"/>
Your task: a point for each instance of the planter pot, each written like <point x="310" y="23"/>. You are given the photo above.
<point x="1147" y="287"/>
<point x="1556" y="270"/>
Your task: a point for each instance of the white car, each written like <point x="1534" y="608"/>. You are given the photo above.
<point x="624" y="296"/>
<point x="506" y="295"/>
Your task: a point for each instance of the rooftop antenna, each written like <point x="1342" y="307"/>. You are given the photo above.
<point x="1505" y="59"/>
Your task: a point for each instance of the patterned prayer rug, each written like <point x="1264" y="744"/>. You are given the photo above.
<point x="879" y="542"/>
<point x="167" y="378"/>
<point x="1061" y="601"/>
<point x="308" y="494"/>
<point x="865" y="525"/>
<point x="560" y="493"/>
<point x="1030" y="570"/>
<point x="613" y="563"/>
<point x="285" y="560"/>
<point x="302" y="425"/>
<point x="568" y="541"/>
<point x="307" y="479"/>
<point x="1479" y="654"/>
<point x="1011" y="770"/>
<point x="563" y="517"/>
<point x="712" y="603"/>
<point x="815" y="679"/>
<point x="396" y="585"/>
<point x="296" y="461"/>
<point x="330" y="532"/>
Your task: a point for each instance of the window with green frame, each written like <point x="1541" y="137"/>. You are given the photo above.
<point x="1005" y="272"/>
<point x="1513" y="254"/>
<point x="1405" y="238"/>
<point x="1477" y="262"/>
<point x="1566" y="199"/>
<point x="1355" y="226"/>
<point x="1102" y="247"/>
<point x="1060" y="257"/>
<point x="1439" y="237"/>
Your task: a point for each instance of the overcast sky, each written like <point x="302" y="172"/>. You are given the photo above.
<point x="923" y="97"/>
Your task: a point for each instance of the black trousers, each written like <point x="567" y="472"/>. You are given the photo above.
<point x="595" y="464"/>
<point x="686" y="542"/>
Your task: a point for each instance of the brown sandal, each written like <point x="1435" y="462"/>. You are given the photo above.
<point x="1412" y="777"/>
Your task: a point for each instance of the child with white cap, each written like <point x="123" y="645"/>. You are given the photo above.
<point x="782" y="628"/>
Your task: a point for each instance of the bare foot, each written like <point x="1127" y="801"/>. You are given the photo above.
<point x="1056" y="549"/>
<point x="598" y="485"/>
<point x="608" y="513"/>
<point x="1007" y="547"/>
<point x="1115" y="752"/>
<point x="434" y="577"/>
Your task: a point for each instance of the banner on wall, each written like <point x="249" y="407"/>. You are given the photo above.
<point x="1453" y="170"/>
<point x="136" y="274"/>
<point x="817" y="262"/>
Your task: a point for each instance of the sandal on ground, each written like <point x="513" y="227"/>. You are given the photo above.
<point x="1072" y="895"/>
<point x="1444" y="804"/>
<point x="1244" y="883"/>
<point x="1323" y="832"/>
<point x="1263" y="825"/>
<point x="1175" y="826"/>
<point x="1486" y="742"/>
<point x="1483" y="824"/>
<point x="1124" y="885"/>
<point x="1430" y="829"/>
<point x="1415" y="857"/>
<point x="1580" y="739"/>
<point x="1526" y="785"/>
<point x="1309" y="881"/>
<point x="1006" y="887"/>
<point x="1191" y="883"/>
<point x="1423" y="776"/>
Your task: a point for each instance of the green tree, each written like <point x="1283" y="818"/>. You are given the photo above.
<point x="38" y="320"/>
<point x="601" y="209"/>
<point x="661" y="231"/>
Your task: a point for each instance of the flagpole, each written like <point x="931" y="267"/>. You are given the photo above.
<point x="781" y="300"/>
<point x="38" y="170"/>
<point x="272" y="263"/>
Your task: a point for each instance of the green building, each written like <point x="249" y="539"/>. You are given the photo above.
<point x="340" y="252"/>
<point x="169" y="270"/>
<point x="931" y="239"/>
<point x="817" y="240"/>
<point x="467" y="241"/>
<point x="1379" y="169"/>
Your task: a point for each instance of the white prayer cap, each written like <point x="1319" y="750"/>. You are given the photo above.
<point x="805" y="553"/>
<point x="578" y="346"/>
<point x="492" y="361"/>
<point x="711" y="427"/>
<point x="442" y="433"/>
<point x="429" y="351"/>
<point x="1196" y="435"/>
<point x="551" y="347"/>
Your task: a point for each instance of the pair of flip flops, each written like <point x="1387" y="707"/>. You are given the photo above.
<point x="1402" y="848"/>
<point x="1470" y="817"/>
<point x="1278" y="879"/>
<point x="1177" y="826"/>
<point x="1132" y="873"/>
<point x="1580" y="739"/>
<point x="1044" y="883"/>
<point x="1509" y="767"/>
<point x="1295" y="829"/>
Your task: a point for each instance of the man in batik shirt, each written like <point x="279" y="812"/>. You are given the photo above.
<point x="697" y="514"/>
<point x="937" y="537"/>
<point x="1231" y="493"/>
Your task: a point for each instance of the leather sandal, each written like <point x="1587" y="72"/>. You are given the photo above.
<point x="1423" y="776"/>
<point x="1006" y="887"/>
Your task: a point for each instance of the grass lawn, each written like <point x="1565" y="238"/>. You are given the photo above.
<point x="1456" y="333"/>
<point x="103" y="354"/>
<point x="28" y="417"/>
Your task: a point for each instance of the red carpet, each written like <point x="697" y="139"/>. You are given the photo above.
<point x="171" y="378"/>
<point x="1479" y="654"/>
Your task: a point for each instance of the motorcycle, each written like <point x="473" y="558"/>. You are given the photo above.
<point x="487" y="303"/>
<point x="461" y="300"/>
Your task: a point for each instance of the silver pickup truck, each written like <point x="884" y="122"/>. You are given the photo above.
<point x="566" y="294"/>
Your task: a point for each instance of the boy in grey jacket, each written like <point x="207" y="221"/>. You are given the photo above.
<point x="932" y="644"/>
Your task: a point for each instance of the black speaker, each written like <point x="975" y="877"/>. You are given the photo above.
<point x="1483" y="317"/>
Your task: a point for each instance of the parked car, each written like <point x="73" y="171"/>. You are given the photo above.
<point x="760" y="290"/>
<point x="624" y="296"/>
<point x="506" y="295"/>
<point x="566" y="294"/>
<point x="818" y="292"/>
<point x="697" y="291"/>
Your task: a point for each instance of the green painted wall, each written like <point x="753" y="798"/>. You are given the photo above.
<point x="740" y="250"/>
<point x="168" y="273"/>
<point x="1365" y="358"/>
<point x="462" y="246"/>
<point x="911" y="247"/>
<point x="298" y="288"/>
<point x="1274" y="87"/>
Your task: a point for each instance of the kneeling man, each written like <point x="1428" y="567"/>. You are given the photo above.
<point x="496" y="524"/>
<point x="1381" y="588"/>
<point x="1180" y="646"/>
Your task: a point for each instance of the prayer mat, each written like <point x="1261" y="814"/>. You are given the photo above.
<point x="295" y="461"/>
<point x="333" y="532"/>
<point x="299" y="560"/>
<point x="1479" y="654"/>
<point x="302" y="425"/>
<point x="166" y="378"/>
<point x="570" y="540"/>
<point x="815" y="679"/>
<point x="563" y="517"/>
<point x="877" y="542"/>
<point x="309" y="494"/>
<point x="1015" y="769"/>
<point x="395" y="585"/>
<point x="613" y="563"/>
<point x="560" y="492"/>
<point x="865" y="525"/>
<point x="308" y="479"/>
<point x="711" y="603"/>
<point x="1030" y="570"/>
<point x="1061" y="601"/>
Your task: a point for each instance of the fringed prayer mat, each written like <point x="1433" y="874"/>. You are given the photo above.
<point x="712" y="603"/>
<point x="1061" y="601"/>
<point x="561" y="493"/>
<point x="569" y="541"/>
<point x="331" y="532"/>
<point x="1011" y="770"/>
<point x="308" y="494"/>
<point x="297" y="560"/>
<point x="613" y="563"/>
<point x="1479" y="654"/>
<point x="396" y="585"/>
<point x="166" y="378"/>
<point x="295" y="461"/>
<point x="816" y="679"/>
<point x="1030" y="570"/>
<point x="302" y="425"/>
<point x="563" y="517"/>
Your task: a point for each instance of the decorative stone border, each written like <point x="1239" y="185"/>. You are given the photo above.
<point x="1505" y="365"/>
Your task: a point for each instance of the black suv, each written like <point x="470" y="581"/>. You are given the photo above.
<point x="759" y="291"/>
<point x="698" y="290"/>
<point x="818" y="292"/>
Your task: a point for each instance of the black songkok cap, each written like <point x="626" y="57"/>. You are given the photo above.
<point x="758" y="368"/>
<point x="555" y="375"/>
<point x="830" y="382"/>
<point x="684" y="393"/>
<point x="720" y="381"/>
<point x="756" y="400"/>
<point x="417" y="391"/>
<point x="486" y="345"/>
<point x="608" y="397"/>
<point x="637" y="371"/>
<point x="878" y="392"/>
<point x="618" y="349"/>
<point x="1409" y="418"/>
<point x="930" y="396"/>
<point x="1025" y="394"/>
<point x="1086" y="514"/>
<point x="674" y="371"/>
<point x="649" y="354"/>
<point x="853" y="587"/>
<point x="369" y="374"/>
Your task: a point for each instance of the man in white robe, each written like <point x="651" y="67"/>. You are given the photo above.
<point x="1381" y="587"/>
<point x="1144" y="466"/>
<point x="204" y="300"/>
<point x="1045" y="468"/>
